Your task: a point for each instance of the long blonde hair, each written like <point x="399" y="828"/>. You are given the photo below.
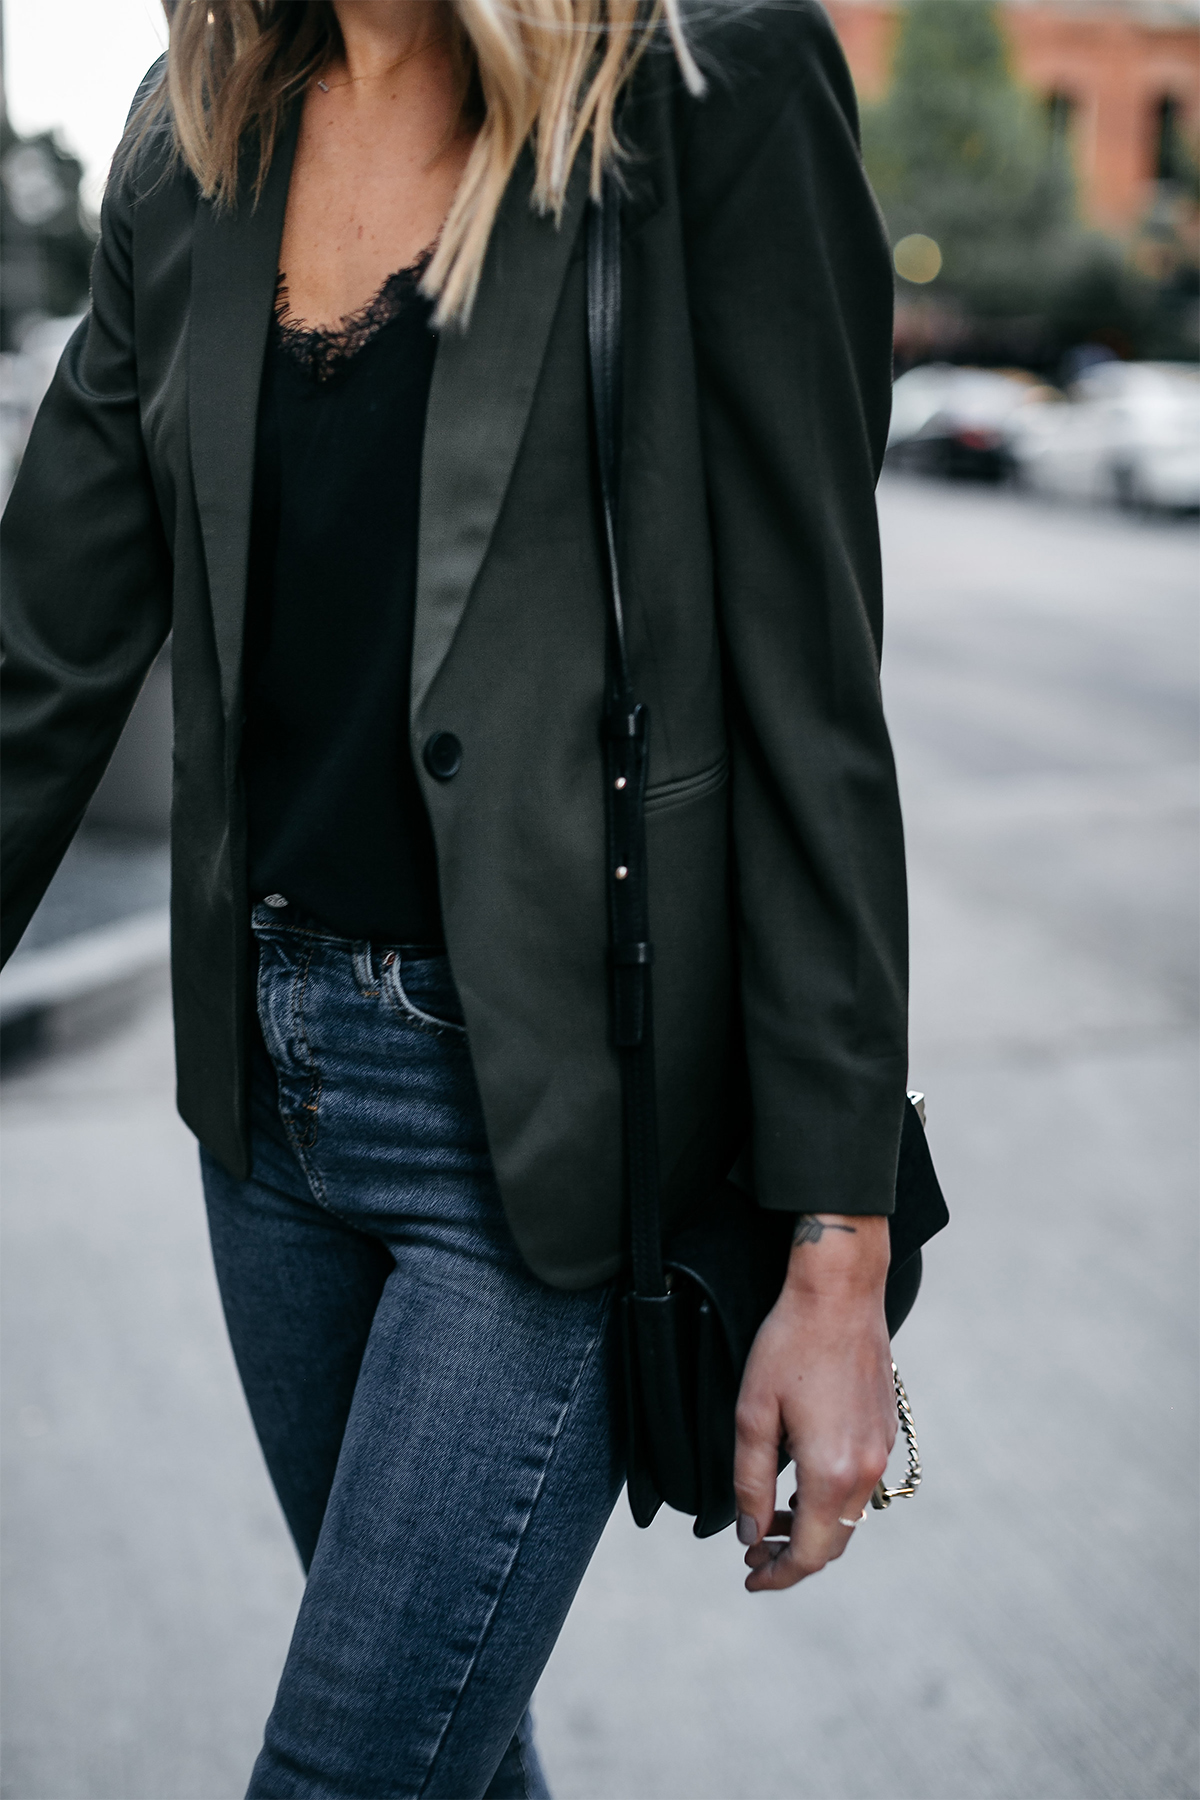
<point x="546" y="72"/>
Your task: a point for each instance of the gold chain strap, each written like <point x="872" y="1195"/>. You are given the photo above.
<point x="883" y="1496"/>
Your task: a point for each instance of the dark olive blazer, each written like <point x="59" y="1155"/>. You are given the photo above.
<point x="757" y="382"/>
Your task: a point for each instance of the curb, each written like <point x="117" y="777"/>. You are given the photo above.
<point x="84" y="965"/>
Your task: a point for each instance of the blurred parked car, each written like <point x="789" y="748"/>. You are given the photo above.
<point x="1127" y="432"/>
<point x="959" y="422"/>
<point x="25" y="374"/>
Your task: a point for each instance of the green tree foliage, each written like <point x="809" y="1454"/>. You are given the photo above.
<point x="958" y="151"/>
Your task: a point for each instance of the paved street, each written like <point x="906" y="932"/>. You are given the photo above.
<point x="1026" y="1628"/>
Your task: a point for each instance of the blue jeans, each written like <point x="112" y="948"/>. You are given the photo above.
<point x="438" y="1423"/>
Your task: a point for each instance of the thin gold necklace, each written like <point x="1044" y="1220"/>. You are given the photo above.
<point x="327" y="88"/>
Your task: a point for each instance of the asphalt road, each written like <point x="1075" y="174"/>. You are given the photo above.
<point x="1026" y="1628"/>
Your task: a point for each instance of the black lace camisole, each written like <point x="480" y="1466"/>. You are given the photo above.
<point x="336" y="822"/>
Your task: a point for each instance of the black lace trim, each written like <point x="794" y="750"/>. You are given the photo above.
<point x="324" y="349"/>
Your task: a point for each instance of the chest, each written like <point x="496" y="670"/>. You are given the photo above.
<point x="369" y="191"/>
<point x="506" y="507"/>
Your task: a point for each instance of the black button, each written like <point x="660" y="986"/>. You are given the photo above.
<point x="443" y="755"/>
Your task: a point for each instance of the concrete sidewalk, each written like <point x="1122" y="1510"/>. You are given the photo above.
<point x="1026" y="1628"/>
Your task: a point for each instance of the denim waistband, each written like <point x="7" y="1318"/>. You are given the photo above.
<point x="293" y="921"/>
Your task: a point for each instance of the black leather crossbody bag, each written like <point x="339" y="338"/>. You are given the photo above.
<point x="694" y="1304"/>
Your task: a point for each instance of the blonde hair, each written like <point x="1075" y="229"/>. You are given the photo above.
<point x="546" y="72"/>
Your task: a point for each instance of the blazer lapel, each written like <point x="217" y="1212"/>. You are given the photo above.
<point x="479" y="401"/>
<point x="235" y="257"/>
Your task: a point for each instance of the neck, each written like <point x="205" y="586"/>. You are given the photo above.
<point x="376" y="34"/>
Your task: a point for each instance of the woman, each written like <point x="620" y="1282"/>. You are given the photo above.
<point x="327" y="423"/>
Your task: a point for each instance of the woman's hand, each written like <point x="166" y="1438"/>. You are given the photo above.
<point x="819" y="1379"/>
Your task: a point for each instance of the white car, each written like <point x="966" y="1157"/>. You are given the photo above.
<point x="1127" y="433"/>
<point x="955" y="421"/>
<point x="24" y="377"/>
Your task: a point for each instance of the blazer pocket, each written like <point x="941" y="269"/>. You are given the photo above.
<point x="662" y="795"/>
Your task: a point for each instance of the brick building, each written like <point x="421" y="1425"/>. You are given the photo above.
<point x="1121" y="76"/>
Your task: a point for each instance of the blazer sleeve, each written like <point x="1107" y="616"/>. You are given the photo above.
<point x="86" y="581"/>
<point x="791" y="295"/>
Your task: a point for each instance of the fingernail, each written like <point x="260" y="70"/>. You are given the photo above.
<point x="747" y="1530"/>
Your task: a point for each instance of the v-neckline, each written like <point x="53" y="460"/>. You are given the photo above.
<point x="321" y="350"/>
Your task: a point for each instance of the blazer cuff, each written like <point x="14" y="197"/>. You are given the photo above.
<point x="821" y="1146"/>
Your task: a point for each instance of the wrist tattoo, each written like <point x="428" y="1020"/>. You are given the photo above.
<point x="810" y="1229"/>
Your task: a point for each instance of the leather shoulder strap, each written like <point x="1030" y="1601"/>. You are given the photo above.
<point x="604" y="350"/>
<point x="626" y="726"/>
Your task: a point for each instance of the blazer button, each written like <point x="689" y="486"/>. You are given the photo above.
<point x="442" y="755"/>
